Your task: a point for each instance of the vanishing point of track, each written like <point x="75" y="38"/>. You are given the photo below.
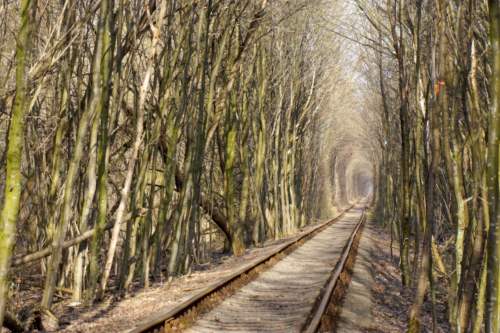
<point x="293" y="289"/>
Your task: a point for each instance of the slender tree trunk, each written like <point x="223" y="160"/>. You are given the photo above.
<point x="107" y="7"/>
<point x="152" y="52"/>
<point x="13" y="177"/>
<point x="88" y="200"/>
<point x="425" y="269"/>
<point x="72" y="174"/>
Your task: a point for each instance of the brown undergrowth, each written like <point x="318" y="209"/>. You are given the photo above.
<point x="392" y="301"/>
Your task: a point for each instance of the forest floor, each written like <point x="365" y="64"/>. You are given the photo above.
<point x="391" y="302"/>
<point x="117" y="315"/>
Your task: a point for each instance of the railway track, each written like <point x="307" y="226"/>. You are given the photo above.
<point x="294" y="289"/>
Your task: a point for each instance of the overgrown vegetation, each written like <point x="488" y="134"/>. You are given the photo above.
<point x="438" y="190"/>
<point x="151" y="127"/>
<point x="141" y="137"/>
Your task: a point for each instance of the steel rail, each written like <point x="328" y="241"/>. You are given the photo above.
<point x="314" y="322"/>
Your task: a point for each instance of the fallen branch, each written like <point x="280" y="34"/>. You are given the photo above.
<point x="21" y="260"/>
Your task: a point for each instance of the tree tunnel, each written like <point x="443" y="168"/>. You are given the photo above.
<point x="354" y="175"/>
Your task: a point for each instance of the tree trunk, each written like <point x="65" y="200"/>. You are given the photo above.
<point x="13" y="177"/>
